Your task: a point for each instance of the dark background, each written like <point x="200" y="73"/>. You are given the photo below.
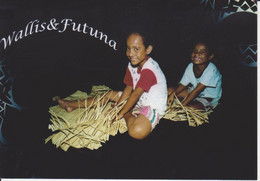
<point x="48" y="64"/>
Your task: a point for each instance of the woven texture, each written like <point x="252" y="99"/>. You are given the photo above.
<point x="178" y="112"/>
<point x="92" y="126"/>
<point x="85" y="127"/>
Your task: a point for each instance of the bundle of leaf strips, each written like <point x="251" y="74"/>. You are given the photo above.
<point x="85" y="127"/>
<point x="178" y="112"/>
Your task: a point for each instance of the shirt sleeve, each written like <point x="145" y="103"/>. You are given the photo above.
<point x="128" y="80"/>
<point x="147" y="80"/>
<point x="185" y="80"/>
<point x="211" y="76"/>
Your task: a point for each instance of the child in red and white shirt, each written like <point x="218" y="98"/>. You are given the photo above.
<point x="145" y="89"/>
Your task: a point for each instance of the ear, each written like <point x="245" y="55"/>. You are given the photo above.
<point x="149" y="49"/>
<point x="211" y="56"/>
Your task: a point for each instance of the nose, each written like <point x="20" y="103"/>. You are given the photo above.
<point x="196" y="54"/>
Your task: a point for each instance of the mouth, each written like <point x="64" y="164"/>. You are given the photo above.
<point x="196" y="59"/>
<point x="133" y="59"/>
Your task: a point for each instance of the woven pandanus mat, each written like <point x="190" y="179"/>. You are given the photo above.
<point x="85" y="127"/>
<point x="92" y="126"/>
<point x="178" y="112"/>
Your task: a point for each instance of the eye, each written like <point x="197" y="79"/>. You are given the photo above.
<point x="136" y="49"/>
<point x="194" y="51"/>
<point x="199" y="52"/>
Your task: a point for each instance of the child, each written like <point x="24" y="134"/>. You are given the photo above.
<point x="145" y="89"/>
<point x="200" y="86"/>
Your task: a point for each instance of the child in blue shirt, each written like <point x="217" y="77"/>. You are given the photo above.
<point x="200" y="86"/>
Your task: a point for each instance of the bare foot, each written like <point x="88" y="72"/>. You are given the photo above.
<point x="67" y="105"/>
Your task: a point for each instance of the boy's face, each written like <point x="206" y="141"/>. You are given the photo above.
<point x="136" y="51"/>
<point x="200" y="54"/>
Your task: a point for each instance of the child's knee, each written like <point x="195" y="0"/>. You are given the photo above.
<point x="139" y="132"/>
<point x="196" y="105"/>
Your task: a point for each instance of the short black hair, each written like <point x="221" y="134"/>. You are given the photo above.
<point x="207" y="42"/>
<point x="144" y="32"/>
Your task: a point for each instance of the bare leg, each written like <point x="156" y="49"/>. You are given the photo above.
<point x="196" y="105"/>
<point x="71" y="105"/>
<point x="138" y="127"/>
<point x="68" y="105"/>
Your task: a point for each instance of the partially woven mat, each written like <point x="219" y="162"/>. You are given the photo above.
<point x="85" y="127"/>
<point x="92" y="126"/>
<point x="178" y="112"/>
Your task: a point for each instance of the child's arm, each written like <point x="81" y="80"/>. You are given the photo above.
<point x="126" y="92"/>
<point x="178" y="90"/>
<point x="132" y="100"/>
<point x="194" y="93"/>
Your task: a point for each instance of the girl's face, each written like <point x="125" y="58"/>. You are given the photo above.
<point x="136" y="51"/>
<point x="200" y="54"/>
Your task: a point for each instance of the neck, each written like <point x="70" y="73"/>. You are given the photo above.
<point x="201" y="67"/>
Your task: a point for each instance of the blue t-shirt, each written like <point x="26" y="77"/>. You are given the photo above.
<point x="211" y="78"/>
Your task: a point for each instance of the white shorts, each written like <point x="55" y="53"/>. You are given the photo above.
<point x="152" y="114"/>
<point x="206" y="103"/>
<point x="147" y="111"/>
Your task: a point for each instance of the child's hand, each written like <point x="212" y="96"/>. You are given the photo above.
<point x="170" y="99"/>
<point x="118" y="117"/>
